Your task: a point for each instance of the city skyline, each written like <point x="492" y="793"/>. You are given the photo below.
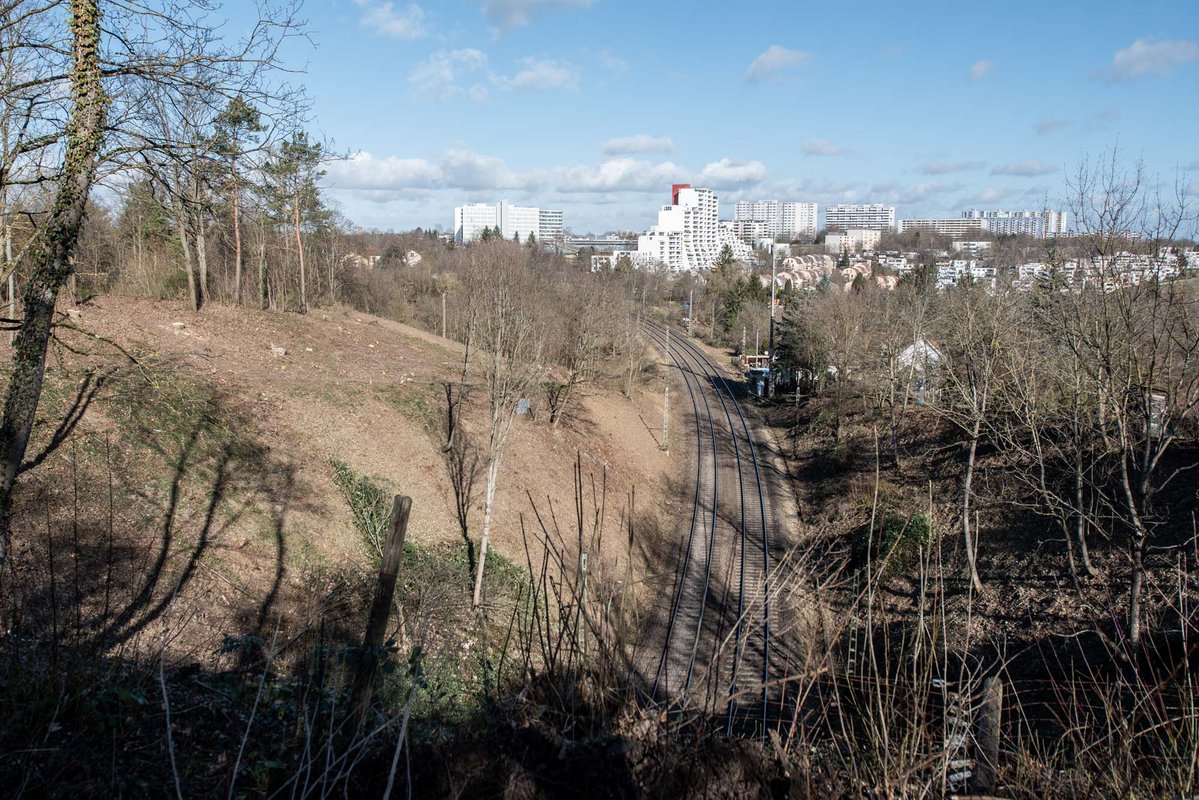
<point x="920" y="108"/>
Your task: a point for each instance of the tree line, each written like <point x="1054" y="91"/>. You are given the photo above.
<point x="1082" y="392"/>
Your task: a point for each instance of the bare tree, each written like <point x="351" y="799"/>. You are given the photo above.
<point x="92" y="89"/>
<point x="1134" y="338"/>
<point x="589" y="315"/>
<point x="511" y="339"/>
<point x="974" y="325"/>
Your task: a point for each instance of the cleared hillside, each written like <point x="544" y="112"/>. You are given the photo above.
<point x="205" y="460"/>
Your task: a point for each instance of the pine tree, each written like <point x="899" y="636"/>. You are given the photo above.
<point x="294" y="171"/>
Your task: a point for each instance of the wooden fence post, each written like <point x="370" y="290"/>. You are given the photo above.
<point x="990" y="718"/>
<point x="376" y="624"/>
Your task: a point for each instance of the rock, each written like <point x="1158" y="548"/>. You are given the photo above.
<point x="178" y="325"/>
<point x="74" y="313"/>
<point x="279" y="352"/>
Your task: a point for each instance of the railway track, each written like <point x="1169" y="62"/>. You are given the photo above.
<point x="716" y="657"/>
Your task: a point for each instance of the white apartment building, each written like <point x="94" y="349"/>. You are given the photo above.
<point x="973" y="248"/>
<point x="852" y="240"/>
<point x="954" y="226"/>
<point x="875" y="216"/>
<point x="1040" y="224"/>
<point x="689" y="234"/>
<point x="470" y="221"/>
<point x="517" y="222"/>
<point x="550" y="226"/>
<point x="778" y="218"/>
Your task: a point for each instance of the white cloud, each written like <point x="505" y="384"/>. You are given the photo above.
<point x="1146" y="57"/>
<point x="1050" y="125"/>
<point x="612" y="63"/>
<point x="990" y="194"/>
<point x="732" y="173"/>
<point x="462" y="172"/>
<point x="1025" y="169"/>
<point x="365" y="171"/>
<point x="641" y="143"/>
<point x="821" y="147"/>
<point x="980" y="69"/>
<point x="387" y="20"/>
<point x="539" y="76"/>
<point x="944" y="166"/>
<point x="773" y="60"/>
<point x="466" y="169"/>
<point x="507" y="14"/>
<point x="438" y="76"/>
<point x="620" y="175"/>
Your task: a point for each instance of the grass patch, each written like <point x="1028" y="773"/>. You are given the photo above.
<point x="413" y="402"/>
<point x="370" y="506"/>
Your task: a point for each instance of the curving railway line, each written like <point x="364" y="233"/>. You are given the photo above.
<point x="716" y="654"/>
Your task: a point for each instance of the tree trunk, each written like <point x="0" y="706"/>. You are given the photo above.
<point x="201" y="257"/>
<point x="967" y="488"/>
<point x="493" y="471"/>
<point x="12" y="281"/>
<point x="262" y="267"/>
<point x="1081" y="522"/>
<point x="300" y="251"/>
<point x="1134" y="593"/>
<point x="236" y="237"/>
<point x="50" y="255"/>
<point x="193" y="293"/>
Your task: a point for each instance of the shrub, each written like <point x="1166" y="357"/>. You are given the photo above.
<point x="370" y="505"/>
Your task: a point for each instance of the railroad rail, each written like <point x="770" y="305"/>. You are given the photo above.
<point x="728" y="537"/>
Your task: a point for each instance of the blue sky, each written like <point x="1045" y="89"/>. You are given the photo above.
<point x="597" y="106"/>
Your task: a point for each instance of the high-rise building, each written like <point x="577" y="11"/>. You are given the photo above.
<point x="777" y="218"/>
<point x="513" y="221"/>
<point x="550" y="225"/>
<point x="688" y="236"/>
<point x="952" y="226"/>
<point x="471" y="219"/>
<point x="1040" y="224"/>
<point x="517" y="222"/>
<point x="872" y="216"/>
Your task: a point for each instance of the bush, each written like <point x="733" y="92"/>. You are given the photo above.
<point x="370" y="505"/>
<point x="894" y="542"/>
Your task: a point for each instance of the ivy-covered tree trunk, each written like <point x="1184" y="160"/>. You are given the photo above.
<point x="50" y="255"/>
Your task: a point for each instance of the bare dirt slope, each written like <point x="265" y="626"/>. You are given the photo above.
<point x="299" y="392"/>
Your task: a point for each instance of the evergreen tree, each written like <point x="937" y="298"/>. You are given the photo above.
<point x="236" y="127"/>
<point x="293" y="172"/>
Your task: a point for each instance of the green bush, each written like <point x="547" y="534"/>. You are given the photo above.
<point x="895" y="541"/>
<point x="370" y="505"/>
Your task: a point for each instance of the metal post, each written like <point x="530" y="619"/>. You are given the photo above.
<point x="443" y="315"/>
<point x="666" y="418"/>
<point x="774" y="262"/>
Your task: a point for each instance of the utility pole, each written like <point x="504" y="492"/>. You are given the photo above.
<point x="774" y="263"/>
<point x="690" y="311"/>
<point x="666" y="400"/>
<point x="666" y="418"/>
<point x="443" y="315"/>
<point x="742" y="338"/>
